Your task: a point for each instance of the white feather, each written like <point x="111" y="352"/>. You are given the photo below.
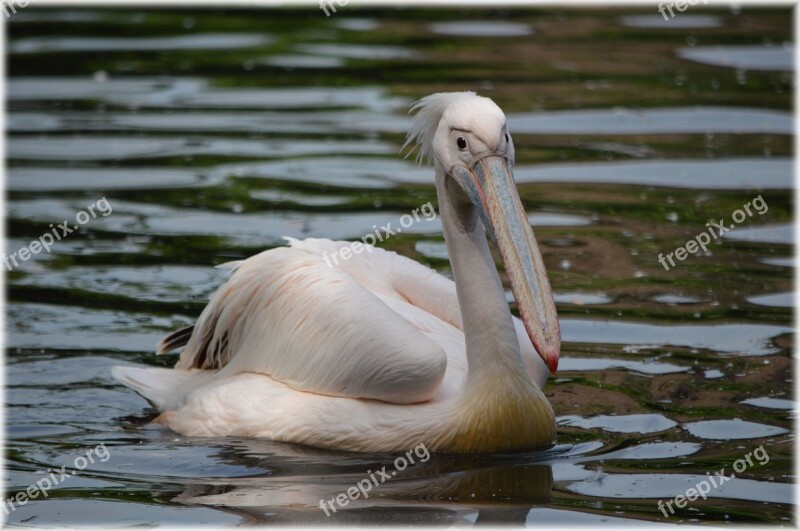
<point x="430" y="110"/>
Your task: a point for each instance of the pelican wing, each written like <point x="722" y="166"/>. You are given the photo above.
<point x="315" y="326"/>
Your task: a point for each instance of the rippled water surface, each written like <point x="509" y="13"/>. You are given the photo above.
<point x="212" y="134"/>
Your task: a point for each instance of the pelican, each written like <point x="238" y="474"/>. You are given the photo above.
<point x="380" y="353"/>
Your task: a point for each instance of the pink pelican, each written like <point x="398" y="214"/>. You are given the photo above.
<point x="380" y="353"/>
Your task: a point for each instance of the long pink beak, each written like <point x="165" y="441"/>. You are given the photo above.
<point x="490" y="185"/>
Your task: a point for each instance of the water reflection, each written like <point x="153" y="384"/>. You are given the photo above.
<point x="642" y="423"/>
<point x="731" y="429"/>
<point x="624" y="121"/>
<point x="496" y="488"/>
<point x="779" y="58"/>
<point x="713" y="174"/>
<point x="106" y="44"/>
<point x="685" y="21"/>
<point x="481" y="29"/>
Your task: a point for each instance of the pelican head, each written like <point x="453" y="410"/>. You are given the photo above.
<point x="467" y="138"/>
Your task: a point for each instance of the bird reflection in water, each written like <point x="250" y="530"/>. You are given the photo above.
<point x="482" y="489"/>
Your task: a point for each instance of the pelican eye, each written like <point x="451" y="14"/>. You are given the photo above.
<point x="506" y="138"/>
<point x="461" y="142"/>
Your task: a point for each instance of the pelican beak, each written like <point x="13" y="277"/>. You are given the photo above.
<point x="491" y="188"/>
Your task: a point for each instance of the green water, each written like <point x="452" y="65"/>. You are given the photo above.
<point x="212" y="134"/>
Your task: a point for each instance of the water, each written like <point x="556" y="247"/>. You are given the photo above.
<point x="215" y="133"/>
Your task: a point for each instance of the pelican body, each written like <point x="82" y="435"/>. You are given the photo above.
<point x="379" y="353"/>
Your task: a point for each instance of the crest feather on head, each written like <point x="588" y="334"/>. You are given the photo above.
<point x="429" y="113"/>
